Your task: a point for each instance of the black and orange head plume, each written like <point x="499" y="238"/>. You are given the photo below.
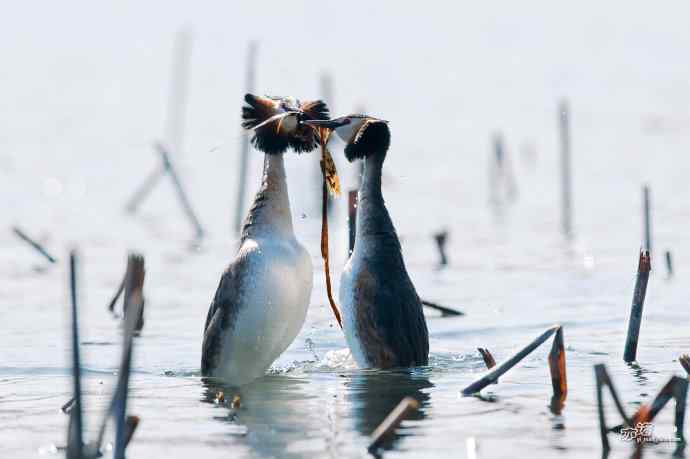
<point x="277" y="123"/>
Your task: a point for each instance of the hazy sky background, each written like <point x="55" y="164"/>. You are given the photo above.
<point x="84" y="90"/>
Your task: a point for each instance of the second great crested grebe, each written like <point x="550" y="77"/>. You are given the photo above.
<point x="382" y="314"/>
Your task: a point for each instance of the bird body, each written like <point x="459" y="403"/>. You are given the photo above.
<point x="261" y="302"/>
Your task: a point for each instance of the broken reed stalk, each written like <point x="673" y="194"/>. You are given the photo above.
<point x="244" y="148"/>
<point x="684" y="361"/>
<point x="124" y="427"/>
<point x="566" y="170"/>
<point x="489" y="360"/>
<point x="556" y="365"/>
<point x="669" y="264"/>
<point x="646" y="209"/>
<point x="352" y="197"/>
<point x="75" y="440"/>
<point x="186" y="205"/>
<point x="557" y="369"/>
<point x="130" y="427"/>
<point x="119" y="405"/>
<point x="38" y="247"/>
<point x="445" y="311"/>
<point x="144" y="189"/>
<point x="441" y="238"/>
<point x="118" y="293"/>
<point x="643" y="269"/>
<point x="67" y="407"/>
<point x="675" y="388"/>
<point x="134" y="289"/>
<point x="406" y="406"/>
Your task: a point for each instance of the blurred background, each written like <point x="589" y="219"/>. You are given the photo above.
<point x="85" y="90"/>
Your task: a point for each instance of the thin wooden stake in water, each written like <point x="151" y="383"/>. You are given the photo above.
<point x="675" y="388"/>
<point x="24" y="237"/>
<point x="646" y="209"/>
<point x="669" y="264"/>
<point x="559" y="380"/>
<point x="75" y="435"/>
<point x="244" y="149"/>
<point x="441" y="238"/>
<point x="643" y="269"/>
<point x="351" y="220"/>
<point x="184" y="200"/>
<point x="685" y="363"/>
<point x="489" y="360"/>
<point x="558" y="377"/>
<point x="566" y="173"/>
<point x="445" y="311"/>
<point x="407" y="406"/>
<point x="134" y="289"/>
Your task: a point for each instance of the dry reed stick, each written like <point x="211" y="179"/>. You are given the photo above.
<point x="406" y="406"/>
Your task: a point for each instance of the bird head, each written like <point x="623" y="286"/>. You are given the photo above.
<point x="363" y="135"/>
<point x="277" y="122"/>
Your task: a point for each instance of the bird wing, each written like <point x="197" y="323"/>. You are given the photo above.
<point x="226" y="305"/>
<point x="390" y="319"/>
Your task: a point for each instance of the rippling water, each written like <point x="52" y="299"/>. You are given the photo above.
<point x="86" y="94"/>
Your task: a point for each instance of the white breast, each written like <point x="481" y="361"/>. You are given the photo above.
<point x="272" y="312"/>
<point x="349" y="310"/>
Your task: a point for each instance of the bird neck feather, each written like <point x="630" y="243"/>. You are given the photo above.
<point x="270" y="213"/>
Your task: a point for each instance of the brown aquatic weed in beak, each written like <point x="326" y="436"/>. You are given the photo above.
<point x="330" y="182"/>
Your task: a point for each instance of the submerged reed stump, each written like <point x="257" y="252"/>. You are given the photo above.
<point x="125" y="426"/>
<point x="643" y="269"/>
<point x="133" y="287"/>
<point x="675" y="388"/>
<point x="441" y="238"/>
<point x="35" y="245"/>
<point x="407" y="406"/>
<point x="556" y="360"/>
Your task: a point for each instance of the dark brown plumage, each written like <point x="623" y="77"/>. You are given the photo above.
<point x="274" y="137"/>
<point x="373" y="137"/>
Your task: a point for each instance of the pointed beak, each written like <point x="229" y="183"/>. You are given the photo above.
<point x="330" y="124"/>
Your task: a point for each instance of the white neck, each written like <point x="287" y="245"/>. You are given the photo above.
<point x="270" y="213"/>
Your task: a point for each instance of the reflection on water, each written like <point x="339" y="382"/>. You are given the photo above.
<point x="372" y="395"/>
<point x="271" y="413"/>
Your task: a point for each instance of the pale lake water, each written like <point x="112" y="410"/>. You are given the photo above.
<point x="84" y="89"/>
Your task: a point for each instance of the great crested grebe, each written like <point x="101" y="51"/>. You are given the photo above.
<point x="382" y="314"/>
<point x="262" y="299"/>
